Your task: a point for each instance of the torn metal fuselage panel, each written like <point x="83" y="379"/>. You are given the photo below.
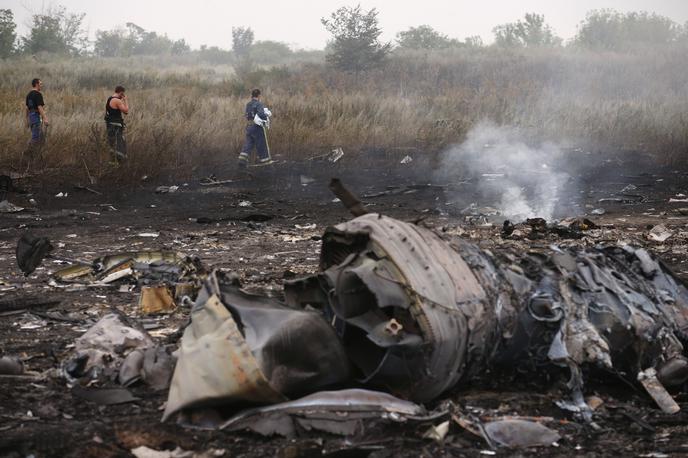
<point x="215" y="364"/>
<point x="244" y="348"/>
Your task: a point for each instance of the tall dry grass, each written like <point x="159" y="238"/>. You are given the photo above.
<point x="186" y="115"/>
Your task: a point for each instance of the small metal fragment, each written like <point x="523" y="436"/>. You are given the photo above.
<point x="648" y="378"/>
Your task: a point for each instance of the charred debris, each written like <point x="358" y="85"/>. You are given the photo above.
<point x="396" y="316"/>
<point x="401" y="309"/>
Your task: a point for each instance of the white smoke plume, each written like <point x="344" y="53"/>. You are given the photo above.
<point x="521" y="180"/>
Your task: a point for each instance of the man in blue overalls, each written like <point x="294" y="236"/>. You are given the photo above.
<point x="36" y="119"/>
<point x="258" y="119"/>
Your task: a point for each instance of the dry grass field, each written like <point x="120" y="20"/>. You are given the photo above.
<point x="185" y="114"/>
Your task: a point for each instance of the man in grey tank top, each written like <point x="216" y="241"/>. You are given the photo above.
<point x="115" y="108"/>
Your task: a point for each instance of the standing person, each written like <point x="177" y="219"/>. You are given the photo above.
<point x="115" y="107"/>
<point x="36" y="119"/>
<point x="258" y="119"/>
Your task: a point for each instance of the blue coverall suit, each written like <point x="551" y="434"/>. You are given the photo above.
<point x="255" y="135"/>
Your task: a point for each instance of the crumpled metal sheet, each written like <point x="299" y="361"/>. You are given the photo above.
<point x="156" y="371"/>
<point x="215" y="365"/>
<point x="520" y="433"/>
<point x="615" y="308"/>
<point x="245" y="348"/>
<point x="337" y="412"/>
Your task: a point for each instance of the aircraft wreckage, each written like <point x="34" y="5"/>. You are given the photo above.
<point x="399" y="308"/>
<point x="396" y="310"/>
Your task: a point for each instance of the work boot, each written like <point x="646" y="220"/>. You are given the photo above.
<point x="116" y="158"/>
<point x="263" y="162"/>
<point x="242" y="161"/>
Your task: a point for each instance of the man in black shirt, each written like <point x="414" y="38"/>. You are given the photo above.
<point x="115" y="107"/>
<point x="36" y="118"/>
<point x="258" y="120"/>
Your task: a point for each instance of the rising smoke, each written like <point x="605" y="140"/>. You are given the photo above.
<point x="520" y="180"/>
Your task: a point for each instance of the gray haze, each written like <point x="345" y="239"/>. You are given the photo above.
<point x="297" y="22"/>
<point x="507" y="166"/>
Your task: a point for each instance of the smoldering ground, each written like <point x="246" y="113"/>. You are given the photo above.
<point x="267" y="229"/>
<point x="522" y="180"/>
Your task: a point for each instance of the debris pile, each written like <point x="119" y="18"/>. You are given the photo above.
<point x="143" y="267"/>
<point x="166" y="278"/>
<point x="538" y="228"/>
<point x="397" y="307"/>
<point x="114" y="351"/>
<point x="450" y="334"/>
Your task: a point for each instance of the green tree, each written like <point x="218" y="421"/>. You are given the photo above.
<point x="532" y="31"/>
<point x="153" y="44"/>
<point x="180" y="47"/>
<point x="423" y="37"/>
<point x="110" y="43"/>
<point x="136" y="40"/>
<point x="683" y="34"/>
<point x="355" y="44"/>
<point x="56" y="31"/>
<point x="474" y="41"/>
<point x="506" y="35"/>
<point x="8" y="36"/>
<point x="242" y="40"/>
<point x="610" y="30"/>
<point x="145" y="43"/>
<point x="270" y="52"/>
<point x="214" y="55"/>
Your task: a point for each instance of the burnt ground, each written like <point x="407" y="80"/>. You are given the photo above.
<point x="266" y="228"/>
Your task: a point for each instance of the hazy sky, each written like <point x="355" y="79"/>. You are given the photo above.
<point x="297" y="22"/>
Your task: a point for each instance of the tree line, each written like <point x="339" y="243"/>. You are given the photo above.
<point x="355" y="37"/>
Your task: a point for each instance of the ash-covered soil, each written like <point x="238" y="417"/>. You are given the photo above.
<point x="266" y="228"/>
